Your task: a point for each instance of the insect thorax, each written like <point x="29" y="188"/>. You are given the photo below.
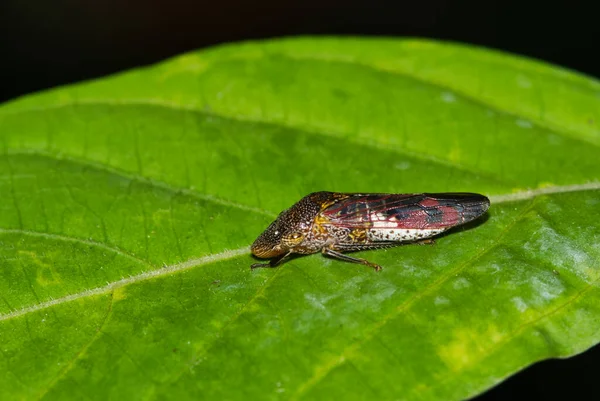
<point x="305" y="217"/>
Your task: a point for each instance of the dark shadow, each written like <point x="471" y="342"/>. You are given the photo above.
<point x="286" y="260"/>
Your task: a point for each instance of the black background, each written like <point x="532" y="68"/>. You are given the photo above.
<point x="50" y="43"/>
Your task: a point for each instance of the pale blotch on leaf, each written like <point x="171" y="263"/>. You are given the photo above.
<point x="448" y="97"/>
<point x="119" y="294"/>
<point x="184" y="65"/>
<point x="402" y="166"/>
<point x="555" y="140"/>
<point x="523" y="123"/>
<point x="316" y="303"/>
<point x="372" y="301"/>
<point x="161" y="217"/>
<point x="468" y="347"/>
<point x="461" y="283"/>
<point x="561" y="252"/>
<point x="279" y="388"/>
<point x="45" y="273"/>
<point x="547" y="290"/>
<point x="523" y="81"/>
<point x="553" y="207"/>
<point x="519" y="304"/>
<point x="420" y="272"/>
<point x="491" y="269"/>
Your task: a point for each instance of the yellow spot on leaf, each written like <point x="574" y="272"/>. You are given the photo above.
<point x="119" y="294"/>
<point x="455" y="154"/>
<point x="468" y="347"/>
<point x="162" y="217"/>
<point x="44" y="274"/>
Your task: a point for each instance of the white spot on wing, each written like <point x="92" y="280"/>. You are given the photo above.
<point x="384" y="224"/>
<point x="380" y="216"/>
<point x="386" y="231"/>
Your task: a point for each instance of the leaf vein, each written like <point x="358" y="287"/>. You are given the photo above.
<point x="562" y="130"/>
<point x="198" y="358"/>
<point x="79" y="353"/>
<point x="144" y="180"/>
<point x="59" y="237"/>
<point x="148" y="275"/>
<point x="238" y="118"/>
<point x="229" y="254"/>
<point x="552" y="190"/>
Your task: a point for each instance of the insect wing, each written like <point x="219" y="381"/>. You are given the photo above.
<point x="360" y="210"/>
<point x="407" y="211"/>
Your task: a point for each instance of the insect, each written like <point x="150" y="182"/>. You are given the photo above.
<point x="333" y="223"/>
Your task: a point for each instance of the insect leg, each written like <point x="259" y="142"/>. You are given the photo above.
<point x="428" y="241"/>
<point x="272" y="263"/>
<point x="346" y="258"/>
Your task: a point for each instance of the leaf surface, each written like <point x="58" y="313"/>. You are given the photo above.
<point x="129" y="204"/>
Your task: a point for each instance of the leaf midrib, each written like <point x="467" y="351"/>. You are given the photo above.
<point x="231" y="254"/>
<point x="124" y="282"/>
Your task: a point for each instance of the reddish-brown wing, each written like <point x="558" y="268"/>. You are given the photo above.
<point x="408" y="211"/>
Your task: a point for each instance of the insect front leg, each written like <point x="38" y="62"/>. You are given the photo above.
<point x="340" y="256"/>
<point x="273" y="262"/>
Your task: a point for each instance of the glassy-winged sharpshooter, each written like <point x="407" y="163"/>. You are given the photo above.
<point x="333" y="223"/>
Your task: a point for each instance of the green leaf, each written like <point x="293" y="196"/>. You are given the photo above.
<point x="129" y="204"/>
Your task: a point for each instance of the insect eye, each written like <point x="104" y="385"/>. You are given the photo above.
<point x="293" y="239"/>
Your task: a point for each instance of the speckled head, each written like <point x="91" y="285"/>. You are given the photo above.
<point x="289" y="229"/>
